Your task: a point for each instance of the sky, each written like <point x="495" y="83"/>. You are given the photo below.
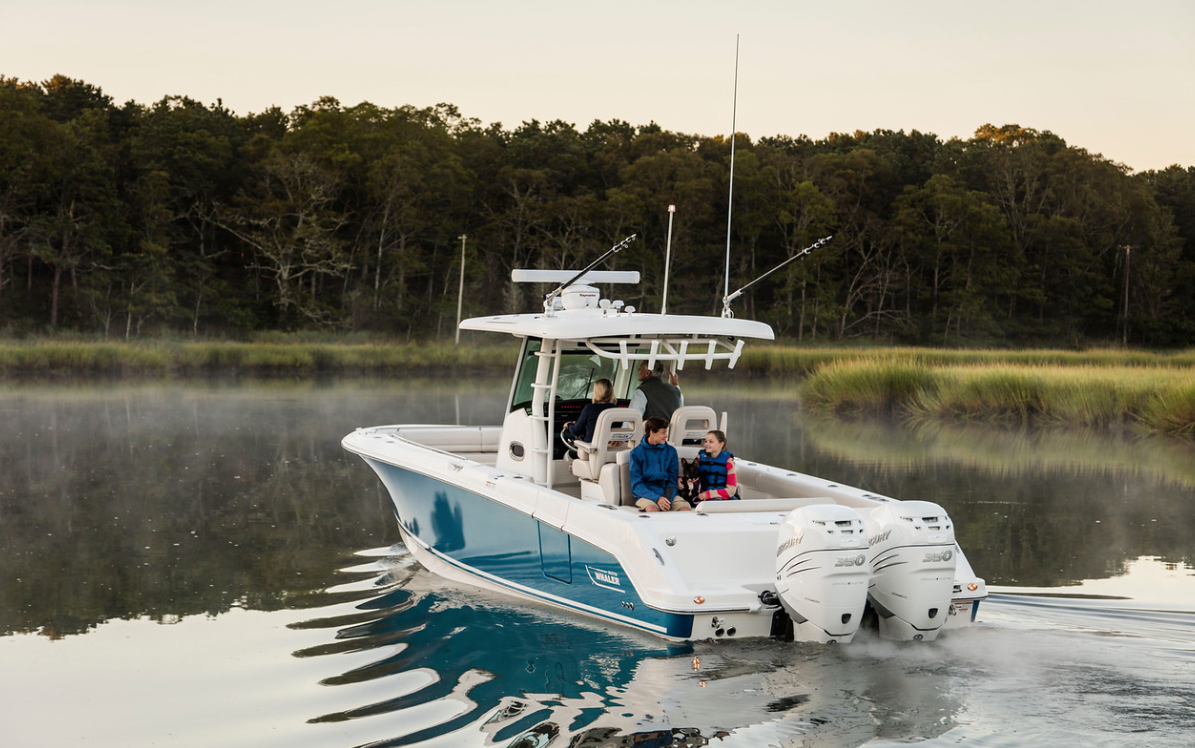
<point x="1114" y="78"/>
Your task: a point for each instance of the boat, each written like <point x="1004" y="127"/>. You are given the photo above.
<point x="509" y="508"/>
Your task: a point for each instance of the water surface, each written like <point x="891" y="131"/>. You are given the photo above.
<point x="203" y="565"/>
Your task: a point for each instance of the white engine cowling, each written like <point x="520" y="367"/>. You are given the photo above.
<point x="821" y="571"/>
<point x="912" y="563"/>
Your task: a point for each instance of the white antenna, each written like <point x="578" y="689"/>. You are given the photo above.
<point x="730" y="198"/>
<point x="667" y="259"/>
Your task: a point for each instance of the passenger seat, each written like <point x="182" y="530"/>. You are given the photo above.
<point x="690" y="424"/>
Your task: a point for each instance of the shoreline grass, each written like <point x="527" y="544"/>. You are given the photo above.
<point x="300" y="352"/>
<point x="1157" y="399"/>
<point x="1099" y="388"/>
<point x="794" y="361"/>
<point x="171" y="358"/>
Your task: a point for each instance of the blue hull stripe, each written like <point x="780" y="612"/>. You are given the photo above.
<point x="484" y="538"/>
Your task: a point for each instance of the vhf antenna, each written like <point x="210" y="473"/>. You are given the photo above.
<point x="730" y="199"/>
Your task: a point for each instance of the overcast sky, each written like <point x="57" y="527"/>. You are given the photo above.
<point x="1115" y="78"/>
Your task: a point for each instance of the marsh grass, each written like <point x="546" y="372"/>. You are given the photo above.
<point x="787" y="361"/>
<point x="81" y="356"/>
<point x="314" y="352"/>
<point x="1077" y="396"/>
<point x="1100" y="388"/>
<point x="262" y="357"/>
<point x="1157" y="399"/>
<point x="867" y="386"/>
<point x="1172" y="412"/>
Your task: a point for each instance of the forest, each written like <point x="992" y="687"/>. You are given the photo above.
<point x="184" y="219"/>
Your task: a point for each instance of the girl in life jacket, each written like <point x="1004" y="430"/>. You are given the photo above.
<point x="716" y="469"/>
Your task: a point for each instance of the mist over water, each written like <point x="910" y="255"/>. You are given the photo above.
<point x="203" y="565"/>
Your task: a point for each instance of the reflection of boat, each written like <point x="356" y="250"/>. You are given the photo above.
<point x="427" y="662"/>
<point x="505" y="508"/>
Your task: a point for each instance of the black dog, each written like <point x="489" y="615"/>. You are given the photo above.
<point x="690" y="482"/>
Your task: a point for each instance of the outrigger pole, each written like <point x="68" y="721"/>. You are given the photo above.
<point x="731" y="297"/>
<point x="613" y="250"/>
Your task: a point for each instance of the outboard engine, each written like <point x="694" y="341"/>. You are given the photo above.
<point x="821" y="572"/>
<point x="912" y="568"/>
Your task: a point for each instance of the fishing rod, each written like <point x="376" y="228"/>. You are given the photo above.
<point x="613" y="250"/>
<point x="731" y="297"/>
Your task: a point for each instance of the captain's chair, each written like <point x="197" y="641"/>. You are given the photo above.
<point x="690" y="424"/>
<point x="618" y="426"/>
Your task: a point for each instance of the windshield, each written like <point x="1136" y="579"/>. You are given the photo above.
<point x="579" y="369"/>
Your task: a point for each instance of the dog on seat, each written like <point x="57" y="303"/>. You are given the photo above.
<point x="690" y="482"/>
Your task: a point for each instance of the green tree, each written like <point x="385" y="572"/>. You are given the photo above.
<point x="195" y="147"/>
<point x="954" y="241"/>
<point x="1173" y="192"/>
<point x="290" y="218"/>
<point x="678" y="176"/>
<point x="861" y="256"/>
<point x="802" y="215"/>
<point x="80" y="211"/>
<point x="23" y="164"/>
<point x="412" y="184"/>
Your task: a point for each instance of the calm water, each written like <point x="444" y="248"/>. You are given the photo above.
<point x="203" y="565"/>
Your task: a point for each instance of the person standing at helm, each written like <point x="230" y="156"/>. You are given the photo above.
<point x="655" y="397"/>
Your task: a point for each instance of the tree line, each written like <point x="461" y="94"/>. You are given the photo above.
<point x="182" y="218"/>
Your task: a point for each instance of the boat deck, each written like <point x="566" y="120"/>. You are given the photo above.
<point x="480" y="444"/>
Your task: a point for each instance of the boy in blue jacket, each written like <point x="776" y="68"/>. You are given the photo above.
<point x="655" y="470"/>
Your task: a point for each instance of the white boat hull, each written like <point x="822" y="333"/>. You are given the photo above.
<point x="680" y="575"/>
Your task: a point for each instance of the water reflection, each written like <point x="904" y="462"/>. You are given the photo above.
<point x="232" y="514"/>
<point x="1006" y="452"/>
<point x="437" y="664"/>
<point x="170" y="501"/>
<point x="164" y="501"/>
<point x="476" y="651"/>
<point x="1031" y="508"/>
<point x="450" y="661"/>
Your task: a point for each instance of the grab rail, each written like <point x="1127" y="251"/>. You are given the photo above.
<point x="759" y="505"/>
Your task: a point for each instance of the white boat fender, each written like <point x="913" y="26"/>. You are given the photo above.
<point x="821" y="571"/>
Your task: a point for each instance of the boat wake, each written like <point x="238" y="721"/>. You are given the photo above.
<point x="416" y="660"/>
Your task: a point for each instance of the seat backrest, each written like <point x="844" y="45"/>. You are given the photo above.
<point x="620" y="427"/>
<point x="622" y="473"/>
<point x="690" y="423"/>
